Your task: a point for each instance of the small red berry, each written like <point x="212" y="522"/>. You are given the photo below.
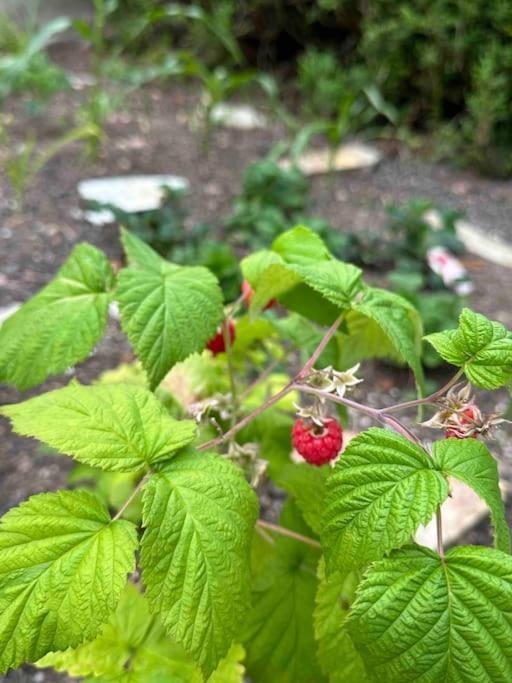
<point x="317" y="444"/>
<point x="468" y="417"/>
<point x="248" y="293"/>
<point x="217" y="344"/>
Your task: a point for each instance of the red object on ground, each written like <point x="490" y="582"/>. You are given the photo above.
<point x="248" y="293"/>
<point x="217" y="344"/>
<point x="317" y="445"/>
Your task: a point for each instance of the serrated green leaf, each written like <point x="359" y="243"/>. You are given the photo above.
<point x="64" y="564"/>
<point x="306" y="484"/>
<point x="399" y="321"/>
<point x="59" y="326"/>
<point x="301" y="246"/>
<point x="118" y="427"/>
<point x="140" y="254"/>
<point x="168" y="315"/>
<point x="338" y="282"/>
<point x="337" y="654"/>
<point x="420" y="618"/>
<point x="254" y="265"/>
<point x="378" y="494"/>
<point x="482" y="347"/>
<point x="470" y="461"/>
<point x="279" y="636"/>
<point x="134" y="646"/>
<point x="199" y="513"/>
<point x="363" y="338"/>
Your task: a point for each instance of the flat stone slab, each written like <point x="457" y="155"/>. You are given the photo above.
<point x="239" y="116"/>
<point x="132" y="194"/>
<point x="477" y="241"/>
<point x="349" y="157"/>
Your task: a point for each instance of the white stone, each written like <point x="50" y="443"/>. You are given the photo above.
<point x="460" y="513"/>
<point x="132" y="194"/>
<point x="349" y="157"/>
<point x="476" y="240"/>
<point x="7" y="311"/>
<point x="240" y="116"/>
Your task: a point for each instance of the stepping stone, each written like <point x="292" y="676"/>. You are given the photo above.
<point x="7" y="311"/>
<point x="460" y="513"/>
<point x="132" y="194"/>
<point x="349" y="157"/>
<point x="239" y="116"/>
<point x="476" y="240"/>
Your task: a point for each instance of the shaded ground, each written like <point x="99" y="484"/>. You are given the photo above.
<point x="153" y="136"/>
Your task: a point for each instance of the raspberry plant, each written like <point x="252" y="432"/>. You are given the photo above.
<point x="187" y="584"/>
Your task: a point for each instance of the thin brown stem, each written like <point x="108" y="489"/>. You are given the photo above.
<point x="264" y="535"/>
<point x="131" y="497"/>
<point x="319" y="349"/>
<point x="261" y="378"/>
<point x="288" y="532"/>
<point x="439" y="531"/>
<point x="247" y="419"/>
<point x="276" y="397"/>
<point x="428" y="399"/>
<point x="231" y="370"/>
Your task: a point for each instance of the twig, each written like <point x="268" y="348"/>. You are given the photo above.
<point x="131" y="497"/>
<point x="276" y="397"/>
<point x="428" y="399"/>
<point x="319" y="349"/>
<point x="266" y="537"/>
<point x="231" y="371"/>
<point x="261" y="378"/>
<point x="287" y="532"/>
<point x="439" y="532"/>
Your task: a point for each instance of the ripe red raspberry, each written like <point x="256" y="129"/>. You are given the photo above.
<point x="217" y="344"/>
<point x="248" y="293"/>
<point x="316" y="444"/>
<point x="462" y="429"/>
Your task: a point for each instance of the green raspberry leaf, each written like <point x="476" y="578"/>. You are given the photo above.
<point x="301" y="246"/>
<point x="337" y="654"/>
<point x="140" y="254"/>
<point x="279" y="635"/>
<point x="116" y="427"/>
<point x="61" y="324"/>
<point x="481" y="347"/>
<point x="378" y="494"/>
<point x="470" y="461"/>
<point x="399" y="321"/>
<point x="199" y="514"/>
<point x="418" y="617"/>
<point x="168" y="314"/>
<point x="64" y="565"/>
<point x="306" y="484"/>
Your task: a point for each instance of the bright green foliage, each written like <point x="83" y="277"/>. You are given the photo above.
<point x="380" y="491"/>
<point x="420" y="618"/>
<point x="63" y="567"/>
<point x="138" y="253"/>
<point x="118" y="427"/>
<point x="482" y="347"/>
<point x="337" y="655"/>
<point x="199" y="514"/>
<point x="471" y="462"/>
<point x="305" y="278"/>
<point x="168" y="313"/>
<point x="306" y="485"/>
<point x="134" y="646"/>
<point x="59" y="326"/>
<point x="279" y="636"/>
<point x="400" y="323"/>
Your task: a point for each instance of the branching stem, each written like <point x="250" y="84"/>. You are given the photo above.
<point x="131" y="497"/>
<point x="287" y="532"/>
